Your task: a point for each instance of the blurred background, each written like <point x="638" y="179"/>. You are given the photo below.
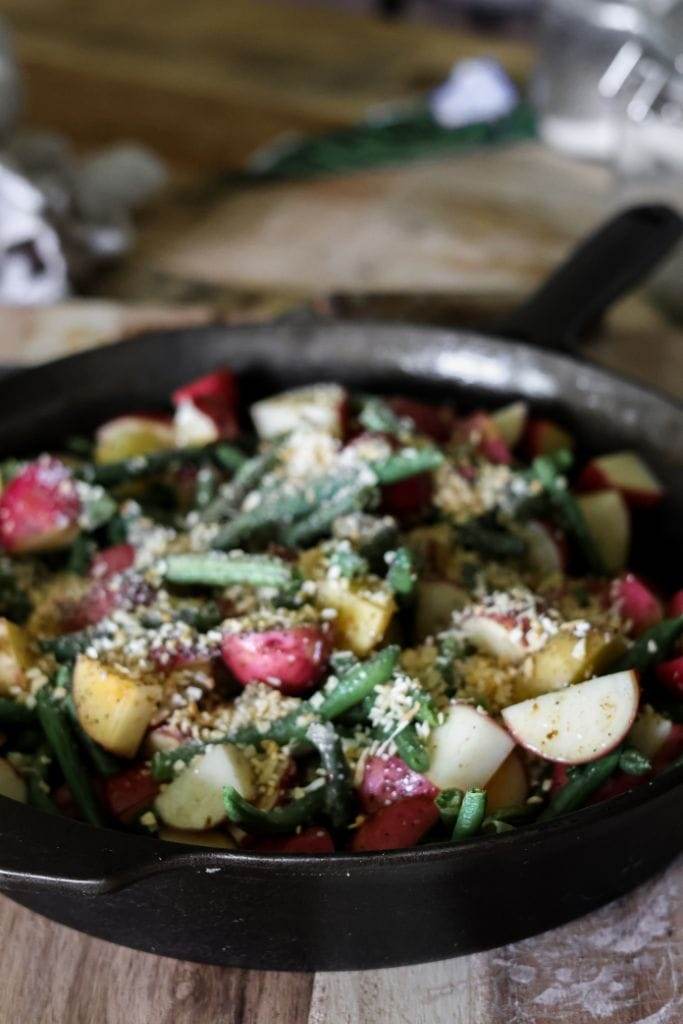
<point x="432" y="160"/>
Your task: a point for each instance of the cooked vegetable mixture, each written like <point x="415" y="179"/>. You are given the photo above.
<point x="362" y="623"/>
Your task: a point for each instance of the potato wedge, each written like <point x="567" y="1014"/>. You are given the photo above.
<point x="113" y="709"/>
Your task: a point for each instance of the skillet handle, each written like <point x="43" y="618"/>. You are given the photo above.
<point x="610" y="262"/>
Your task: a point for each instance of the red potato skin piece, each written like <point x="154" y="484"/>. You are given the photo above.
<point x="397" y="826"/>
<point x="130" y="792"/>
<point x="387" y="780"/>
<point x="215" y="395"/>
<point x="435" y="421"/>
<point x="111" y="561"/>
<point x="311" y="840"/>
<point x="670" y="675"/>
<point x="291" y="660"/>
<point x="407" y="498"/>
<point x="103" y="597"/>
<point x="592" y="478"/>
<point x="41" y="501"/>
<point x="479" y="429"/>
<point x="636" y="602"/>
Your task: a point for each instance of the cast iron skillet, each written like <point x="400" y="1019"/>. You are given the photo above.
<point x="368" y="910"/>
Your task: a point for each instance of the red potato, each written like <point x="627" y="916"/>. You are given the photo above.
<point x="670" y="675"/>
<point x="547" y="551"/>
<point x="635" y="602"/>
<point x="407" y="497"/>
<point x="129" y="793"/>
<point x="386" y="780"/>
<point x="511" y="421"/>
<point x="579" y="723"/>
<point x="675" y="605"/>
<point x="480" y="430"/>
<point x="126" y="437"/>
<point x="609" y="524"/>
<point x="311" y="840"/>
<point x="670" y="750"/>
<point x="206" y="410"/>
<point x="291" y="660"/>
<point x="619" y="783"/>
<point x="624" y="472"/>
<point x="323" y="407"/>
<point x="435" y="421"/>
<point x="543" y="437"/>
<point x="105" y="596"/>
<point x="397" y="826"/>
<point x="39" y="508"/>
<point x="112" y="561"/>
<point x="509" y="786"/>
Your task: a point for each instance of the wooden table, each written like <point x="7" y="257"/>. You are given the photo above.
<point x="455" y="240"/>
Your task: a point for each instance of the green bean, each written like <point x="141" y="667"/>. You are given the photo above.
<point x="450" y="648"/>
<point x="204" y="617"/>
<point x="13" y="713"/>
<point x="582" y="782"/>
<point x="448" y="803"/>
<point x="228" y="457"/>
<point x="80" y="555"/>
<point x="545" y="469"/>
<point x="281" y="505"/>
<point x="252" y="472"/>
<point x="111" y="474"/>
<point x="55" y="723"/>
<point x="411" y="748"/>
<point x="283" y="819"/>
<point x="633" y="762"/>
<point x="164" y="761"/>
<point x="353" y="687"/>
<point x="218" y="569"/>
<point x="406" y="463"/>
<point x="103" y="762"/>
<point x="471" y="814"/>
<point x="38" y="790"/>
<point x="651" y="646"/>
<point x="337" y="782"/>
<point x="358" y="682"/>
<point x="205" y="486"/>
<point x="350" y="499"/>
<point x="66" y="648"/>
<point x="494" y="542"/>
<point x="97" y="508"/>
<point x="348" y="563"/>
<point x="401" y="576"/>
<point x="378" y="417"/>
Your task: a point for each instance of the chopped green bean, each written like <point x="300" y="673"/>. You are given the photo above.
<point x="55" y="723"/>
<point x="337" y="781"/>
<point x="448" y="803"/>
<point x="228" y="457"/>
<point x="471" y="814"/>
<point x="164" y="761"/>
<point x="348" y="563"/>
<point x="411" y="748"/>
<point x="378" y="417"/>
<point x="489" y="540"/>
<point x="633" y="762"/>
<point x="205" y="486"/>
<point x="358" y="682"/>
<point x="406" y="463"/>
<point x="546" y="469"/>
<point x="582" y="782"/>
<point x="13" y="713"/>
<point x="651" y="647"/>
<point x="401" y="576"/>
<point x="278" y="820"/>
<point x="218" y="569"/>
<point x="80" y="555"/>
<point x="353" y="498"/>
<point x="103" y="762"/>
<point x="67" y="647"/>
